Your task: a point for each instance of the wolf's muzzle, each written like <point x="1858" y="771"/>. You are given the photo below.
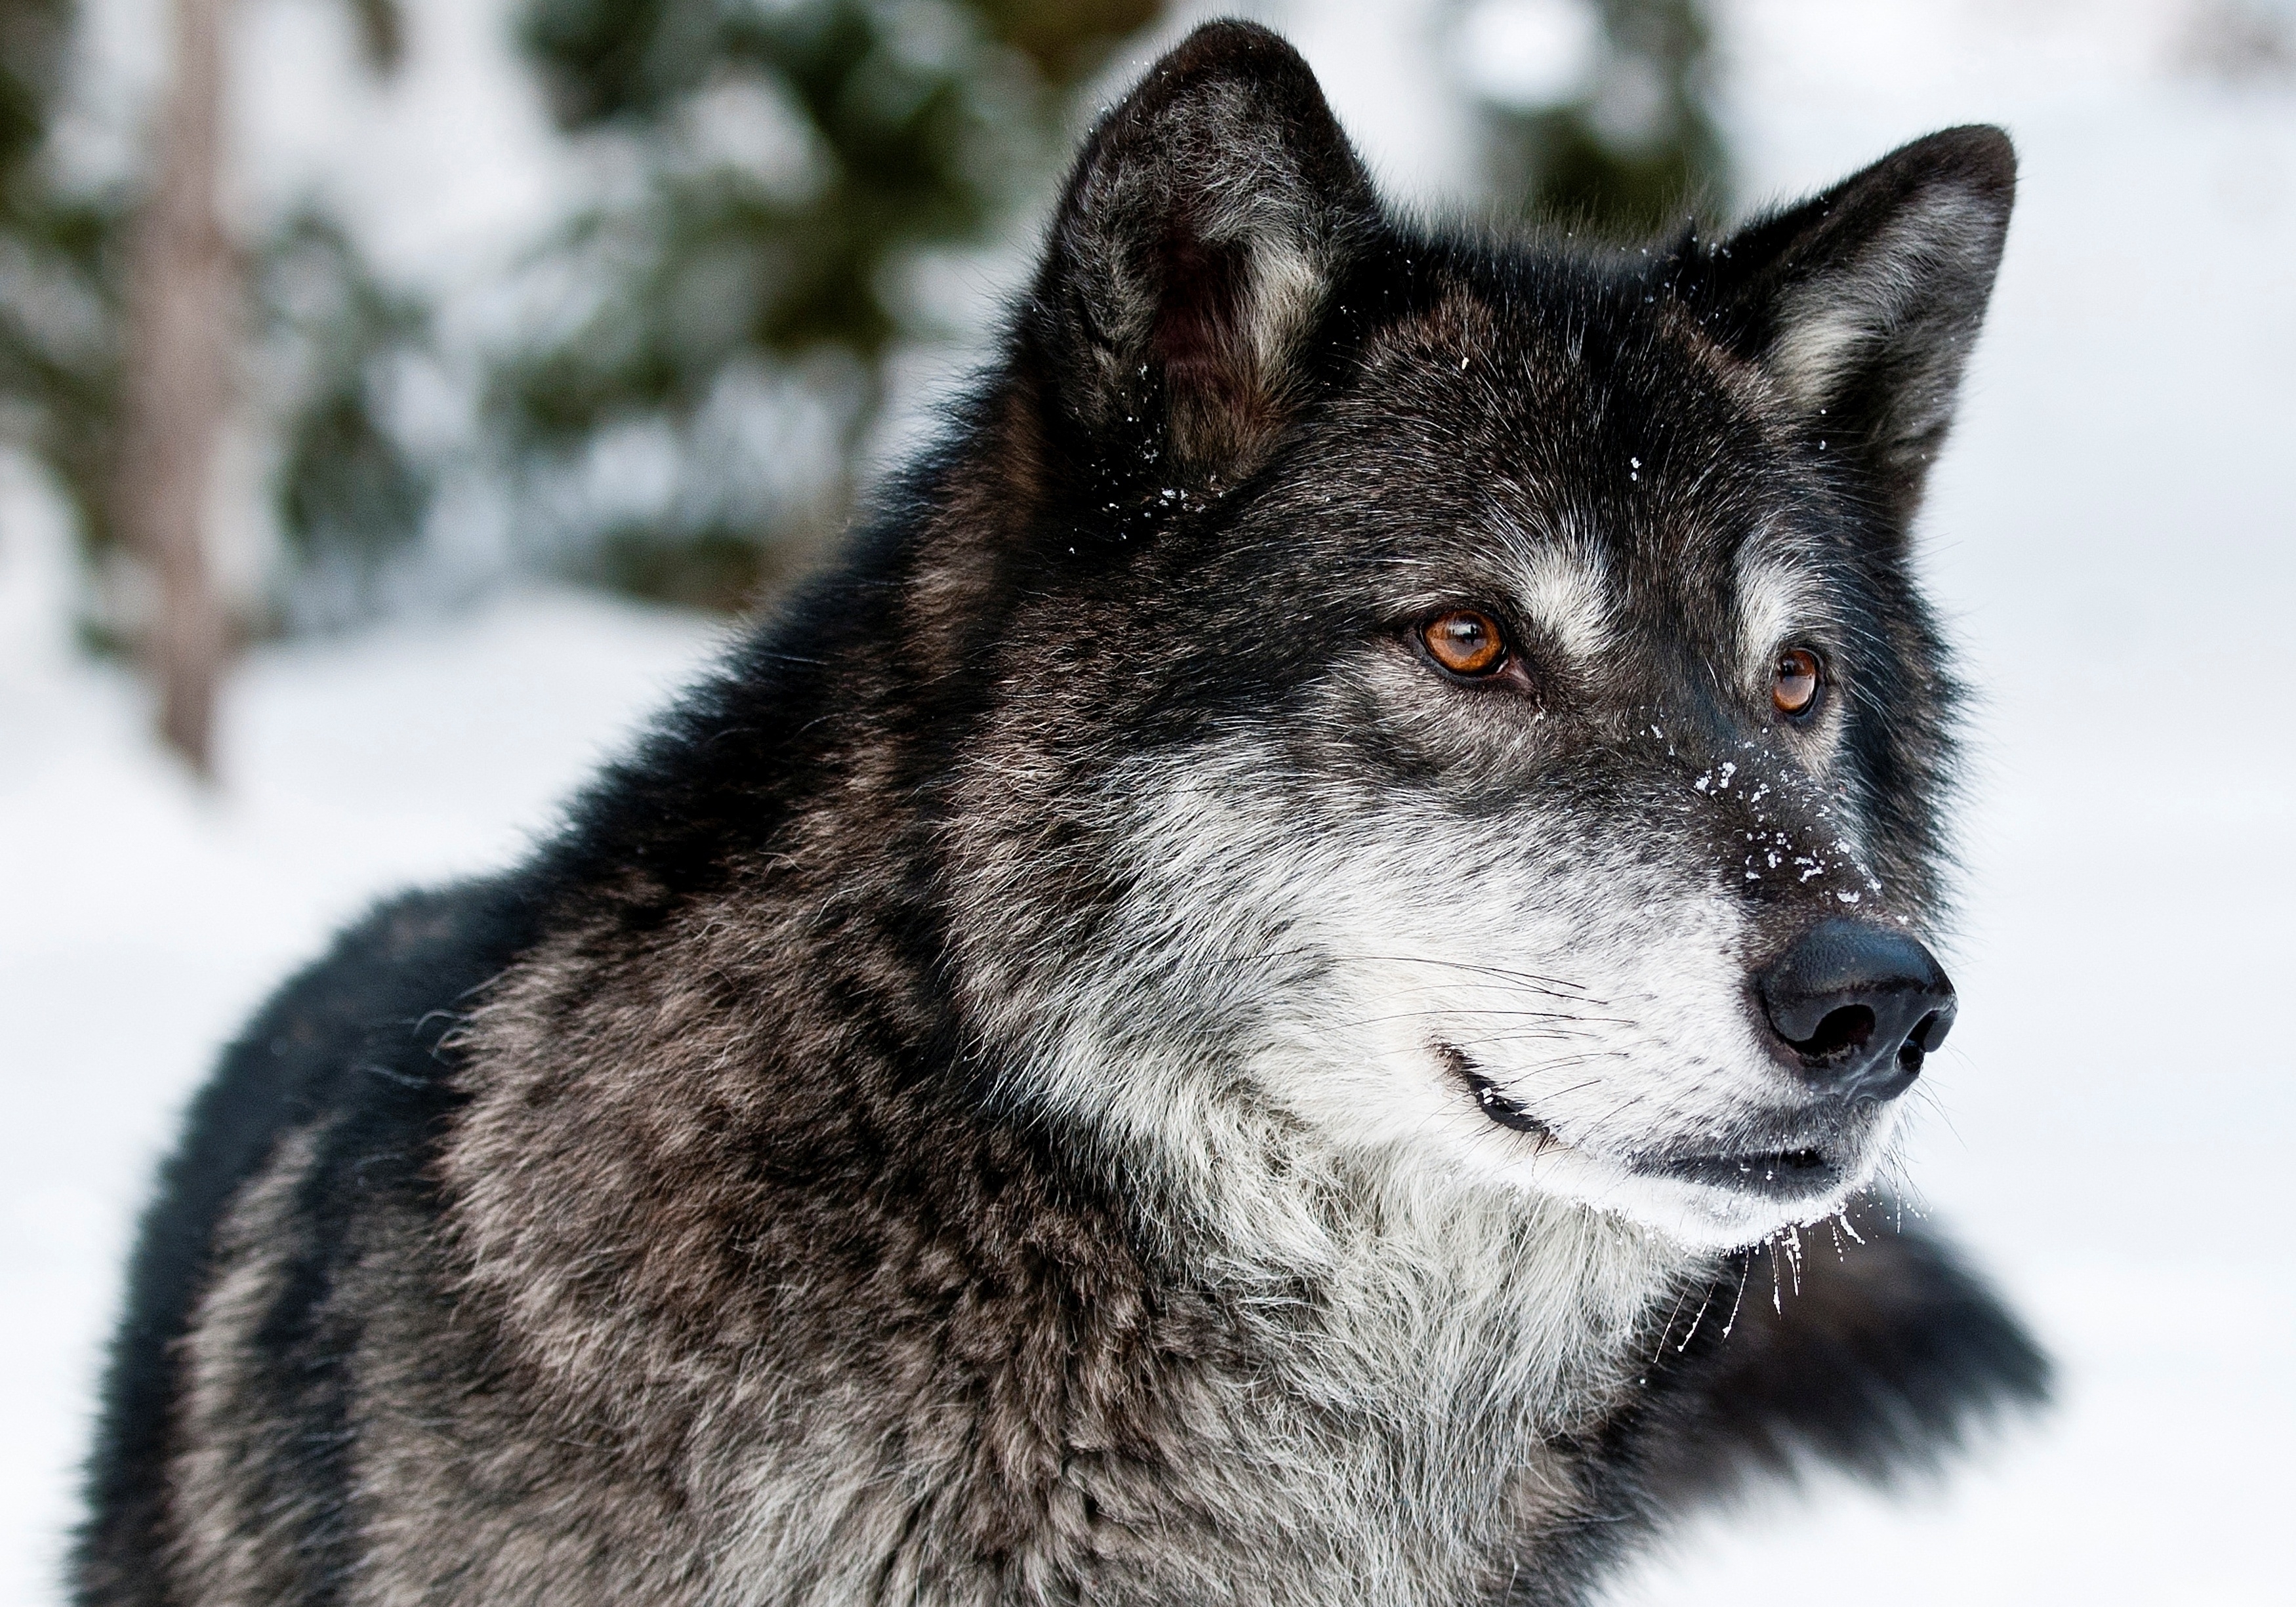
<point x="1857" y="1007"/>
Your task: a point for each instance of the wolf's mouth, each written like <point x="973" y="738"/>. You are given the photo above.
<point x="1775" y="1173"/>
<point x="1805" y="1172"/>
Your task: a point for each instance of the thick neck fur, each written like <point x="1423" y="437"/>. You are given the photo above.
<point x="747" y="1187"/>
<point x="718" y="1230"/>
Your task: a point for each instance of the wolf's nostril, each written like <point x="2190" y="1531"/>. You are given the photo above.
<point x="1857" y="1007"/>
<point x="1840" y="1031"/>
<point x="1931" y="1032"/>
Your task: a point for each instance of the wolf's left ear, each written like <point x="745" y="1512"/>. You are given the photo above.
<point x="1199" y="238"/>
<point x="1863" y="303"/>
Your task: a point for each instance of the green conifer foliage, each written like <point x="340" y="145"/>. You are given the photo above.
<point x="349" y="494"/>
<point x="766" y="262"/>
<point x="60" y="278"/>
<point x="346" y="492"/>
<point x="1633" y="147"/>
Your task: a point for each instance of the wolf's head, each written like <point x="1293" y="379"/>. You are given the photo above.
<point x="1462" y="702"/>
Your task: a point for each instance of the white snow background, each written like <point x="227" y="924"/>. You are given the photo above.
<point x="2111" y="537"/>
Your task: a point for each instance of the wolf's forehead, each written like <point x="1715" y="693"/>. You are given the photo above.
<point x="1563" y="582"/>
<point x="1588" y="399"/>
<point x="1598" y="471"/>
<point x="1589" y="585"/>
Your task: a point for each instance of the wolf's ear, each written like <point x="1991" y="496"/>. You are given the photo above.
<point x="1198" y="240"/>
<point x="1862" y="304"/>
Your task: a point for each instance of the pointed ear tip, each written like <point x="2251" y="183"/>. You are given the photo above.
<point x="1230" y="44"/>
<point x="1239" y="65"/>
<point x="1981" y="155"/>
<point x="1229" y="51"/>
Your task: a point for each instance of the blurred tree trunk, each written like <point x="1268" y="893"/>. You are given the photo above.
<point x="182" y="324"/>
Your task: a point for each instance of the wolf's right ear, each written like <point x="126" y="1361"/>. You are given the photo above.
<point x="1199" y="235"/>
<point x="1862" y="303"/>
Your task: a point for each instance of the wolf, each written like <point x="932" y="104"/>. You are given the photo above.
<point x="1288" y="986"/>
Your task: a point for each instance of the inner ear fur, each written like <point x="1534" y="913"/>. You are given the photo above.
<point x="1193" y="250"/>
<point x="1862" y="303"/>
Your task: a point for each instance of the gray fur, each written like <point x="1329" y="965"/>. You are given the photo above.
<point x="994" y="1103"/>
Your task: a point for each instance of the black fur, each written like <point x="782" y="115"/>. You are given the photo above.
<point x="1863" y="1347"/>
<point x="517" y="1233"/>
<point x="357" y="1037"/>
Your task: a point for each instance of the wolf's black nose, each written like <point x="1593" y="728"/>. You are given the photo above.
<point x="1860" y="1006"/>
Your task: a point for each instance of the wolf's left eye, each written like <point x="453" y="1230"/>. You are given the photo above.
<point x="1794" y="682"/>
<point x="1465" y="642"/>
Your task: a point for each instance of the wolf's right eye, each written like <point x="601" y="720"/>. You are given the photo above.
<point x="1465" y="642"/>
<point x="1795" y="681"/>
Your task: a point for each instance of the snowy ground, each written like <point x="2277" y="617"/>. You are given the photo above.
<point x="2112" y="535"/>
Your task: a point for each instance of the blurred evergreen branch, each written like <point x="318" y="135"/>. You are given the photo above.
<point x="61" y="280"/>
<point x="348" y="489"/>
<point x="1630" y="147"/>
<point x="346" y="492"/>
<point x="790" y="161"/>
<point x="382" y="33"/>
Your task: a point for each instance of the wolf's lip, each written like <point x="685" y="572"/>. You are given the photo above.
<point x="1774" y="1174"/>
<point x="1807" y="1172"/>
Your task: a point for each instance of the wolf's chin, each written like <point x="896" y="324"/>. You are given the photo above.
<point x="1706" y="1218"/>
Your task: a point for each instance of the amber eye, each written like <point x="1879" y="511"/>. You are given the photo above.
<point x="1794" y="683"/>
<point x="1465" y="642"/>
